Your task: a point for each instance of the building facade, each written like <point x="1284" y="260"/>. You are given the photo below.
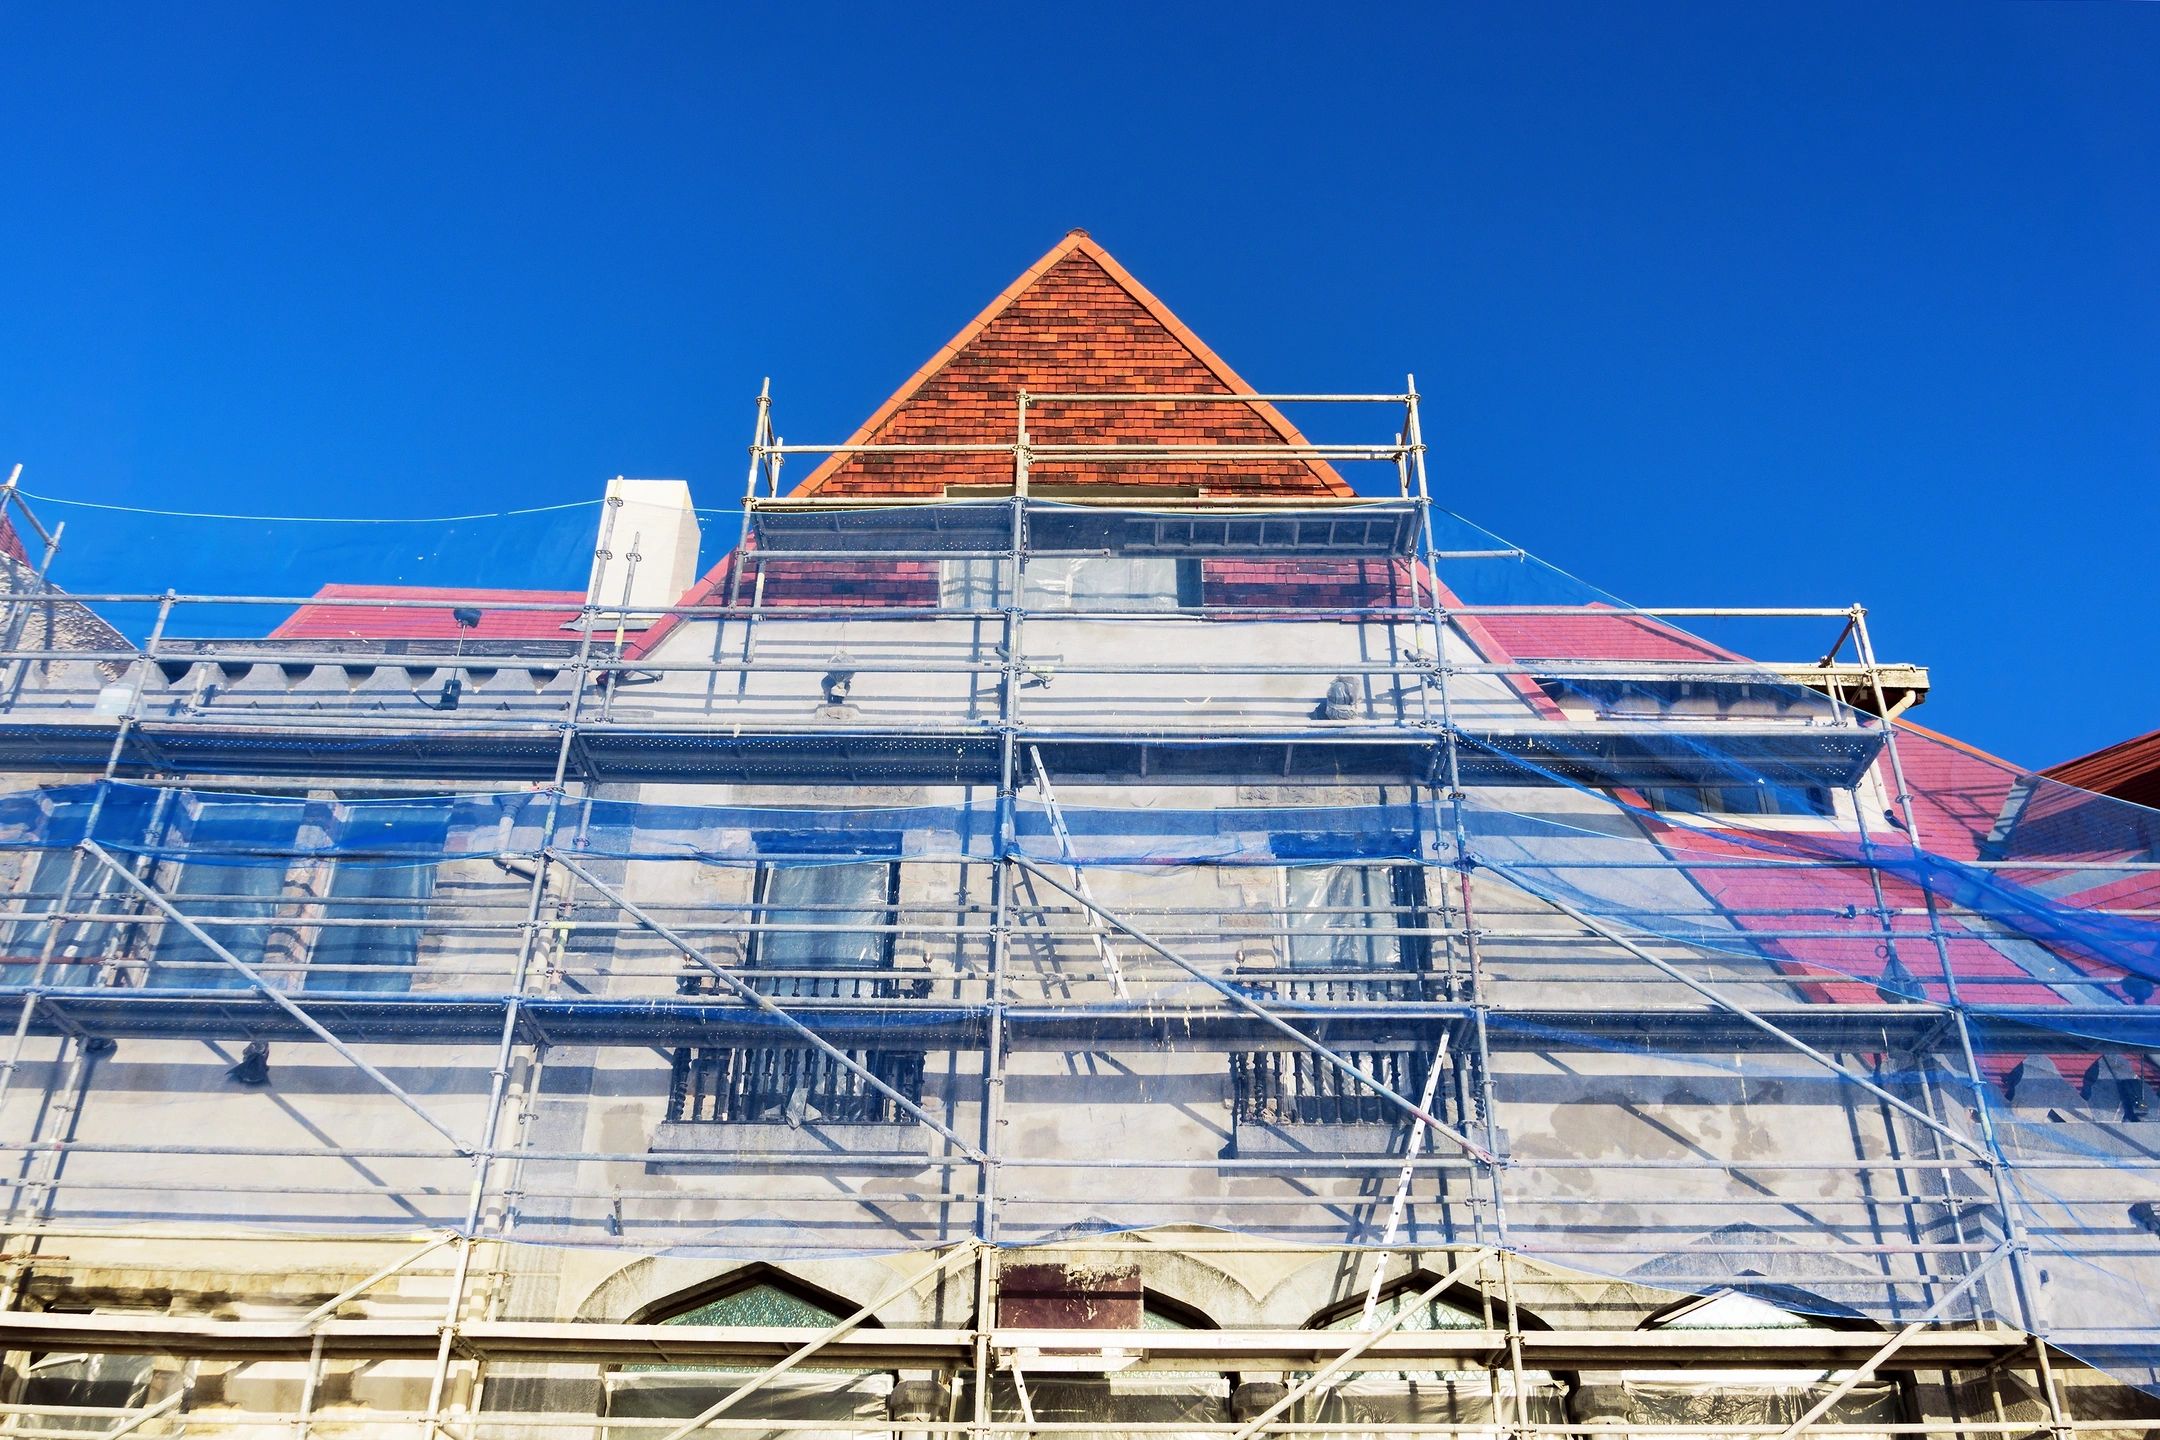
<point x="1099" y="913"/>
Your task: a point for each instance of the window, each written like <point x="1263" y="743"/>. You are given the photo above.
<point x="1378" y="1394"/>
<point x="208" y="891"/>
<point x="1755" y="799"/>
<point x="763" y="1304"/>
<point x="109" y="1382"/>
<point x="1092" y="582"/>
<point x="844" y="952"/>
<point x="842" y="894"/>
<point x="376" y="881"/>
<point x="230" y="886"/>
<point x="1337" y="944"/>
<point x="371" y="958"/>
<point x="847" y="1401"/>
<point x="79" y="940"/>
<point x="1751" y="1401"/>
<point x="1335" y="916"/>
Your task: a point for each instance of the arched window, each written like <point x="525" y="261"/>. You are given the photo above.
<point x="757" y="1298"/>
<point x="1160" y="1312"/>
<point x="1446" y="1396"/>
<point x="761" y="1302"/>
<point x="1750" y="1398"/>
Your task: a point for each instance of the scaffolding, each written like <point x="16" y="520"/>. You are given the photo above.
<point x="1544" y="926"/>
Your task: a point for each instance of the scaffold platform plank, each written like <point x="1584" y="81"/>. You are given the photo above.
<point x="1596" y="754"/>
<point x="1363" y="529"/>
<point x="887" y="1347"/>
<point x="122" y="1014"/>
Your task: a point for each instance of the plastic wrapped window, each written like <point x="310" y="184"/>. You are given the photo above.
<point x="1160" y="1402"/>
<point x="106" y="1382"/>
<point x="25" y="942"/>
<point x="846" y="896"/>
<point x="207" y="892"/>
<point x="851" y="1407"/>
<point x="1751" y="1409"/>
<point x="1382" y="1399"/>
<point x="1332" y="912"/>
<point x="373" y="958"/>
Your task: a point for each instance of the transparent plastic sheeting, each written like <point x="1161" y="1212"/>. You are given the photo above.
<point x="239" y="576"/>
<point x="1991" y="1044"/>
<point x="1850" y="878"/>
<point x="228" y="827"/>
<point x="1881" y="1048"/>
<point x="224" y="560"/>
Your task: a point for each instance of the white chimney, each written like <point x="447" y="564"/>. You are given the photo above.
<point x="652" y="549"/>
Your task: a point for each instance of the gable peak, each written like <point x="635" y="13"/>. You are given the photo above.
<point x="1076" y="321"/>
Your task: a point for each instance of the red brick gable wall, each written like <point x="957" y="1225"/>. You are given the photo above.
<point x="869" y="584"/>
<point x="1077" y="322"/>
<point x="10" y="542"/>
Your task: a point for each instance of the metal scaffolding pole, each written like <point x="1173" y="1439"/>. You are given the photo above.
<point x="276" y="997"/>
<point x="1983" y="1102"/>
<point x="1000" y="1023"/>
<point x="763" y="1002"/>
<point x="1366" y="1340"/>
<point x="844" y="1326"/>
<point x="1711" y="993"/>
<point x="1867" y="1368"/>
<point x="1268" y="1017"/>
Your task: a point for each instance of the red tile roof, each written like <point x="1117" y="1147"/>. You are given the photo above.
<point x="1075" y="320"/>
<point x="2128" y="770"/>
<point x="431" y="622"/>
<point x="1597" y="632"/>
<point x="1958" y="794"/>
<point x="1840" y="948"/>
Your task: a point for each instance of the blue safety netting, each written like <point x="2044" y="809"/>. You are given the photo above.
<point x="2060" y="1042"/>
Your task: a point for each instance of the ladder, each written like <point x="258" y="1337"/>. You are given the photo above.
<point x="1411" y="1150"/>
<point x="1104" y="951"/>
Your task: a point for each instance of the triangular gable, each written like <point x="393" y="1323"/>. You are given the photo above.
<point x="1076" y="320"/>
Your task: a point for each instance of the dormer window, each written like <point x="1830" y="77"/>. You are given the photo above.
<point x="1759" y="798"/>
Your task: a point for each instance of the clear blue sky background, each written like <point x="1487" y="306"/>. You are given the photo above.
<point x="1712" y="303"/>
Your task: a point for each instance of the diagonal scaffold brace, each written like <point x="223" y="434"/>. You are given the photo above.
<point x="275" y="996"/>
<point x="765" y="1003"/>
<point x="1275" y="1022"/>
<point x="1724" y="1002"/>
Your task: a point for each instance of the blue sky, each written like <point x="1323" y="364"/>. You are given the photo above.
<point x="1711" y="304"/>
